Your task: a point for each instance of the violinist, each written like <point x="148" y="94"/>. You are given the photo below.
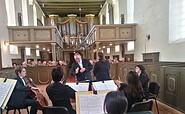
<point x="20" y="97"/>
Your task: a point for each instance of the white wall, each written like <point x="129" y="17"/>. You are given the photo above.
<point x="152" y="18"/>
<point x="10" y="9"/>
<point x="5" y="53"/>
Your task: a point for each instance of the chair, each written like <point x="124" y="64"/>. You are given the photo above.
<point x="54" y="110"/>
<point x="154" y="88"/>
<point x="142" y="106"/>
<point x="8" y="108"/>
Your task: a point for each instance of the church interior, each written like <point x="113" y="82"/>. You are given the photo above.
<point x="44" y="34"/>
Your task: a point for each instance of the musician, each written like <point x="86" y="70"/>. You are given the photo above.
<point x="20" y="97"/>
<point x="81" y="68"/>
<point x="59" y="93"/>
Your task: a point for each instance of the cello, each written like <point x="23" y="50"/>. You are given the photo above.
<point x="35" y="94"/>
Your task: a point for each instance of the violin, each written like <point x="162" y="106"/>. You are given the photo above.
<point x="35" y="94"/>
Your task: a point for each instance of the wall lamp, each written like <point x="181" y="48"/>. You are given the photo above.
<point x="6" y="43"/>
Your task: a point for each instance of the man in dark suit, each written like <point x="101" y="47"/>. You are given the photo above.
<point x="59" y="93"/>
<point x="81" y="68"/>
<point x="20" y="97"/>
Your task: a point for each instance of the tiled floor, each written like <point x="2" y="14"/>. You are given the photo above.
<point x="163" y="109"/>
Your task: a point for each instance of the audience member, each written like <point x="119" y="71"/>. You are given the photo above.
<point x="133" y="89"/>
<point x="101" y="68"/>
<point x="81" y="68"/>
<point x="143" y="78"/>
<point x="115" y="103"/>
<point x="44" y="63"/>
<point x="14" y="65"/>
<point x="123" y="60"/>
<point x="24" y="64"/>
<point x="59" y="93"/>
<point x="128" y="59"/>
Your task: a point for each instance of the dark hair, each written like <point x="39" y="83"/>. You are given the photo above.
<point x="57" y="74"/>
<point x="134" y="85"/>
<point x="115" y="103"/>
<point x="142" y="68"/>
<point x="101" y="56"/>
<point x="18" y="69"/>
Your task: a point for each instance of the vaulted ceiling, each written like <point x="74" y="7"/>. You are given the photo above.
<point x="65" y="7"/>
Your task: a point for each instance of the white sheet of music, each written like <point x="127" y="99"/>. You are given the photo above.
<point x="91" y="104"/>
<point x="79" y="86"/>
<point x="99" y="86"/>
<point x="4" y="91"/>
<point x="106" y="85"/>
<point x="111" y="85"/>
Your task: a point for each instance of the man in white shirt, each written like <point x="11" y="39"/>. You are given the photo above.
<point x="81" y="68"/>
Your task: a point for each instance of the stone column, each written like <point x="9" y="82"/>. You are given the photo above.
<point x="97" y="49"/>
<point x="53" y="51"/>
<point x="90" y="20"/>
<point x="58" y="54"/>
<point x="92" y="53"/>
<point x="54" y="19"/>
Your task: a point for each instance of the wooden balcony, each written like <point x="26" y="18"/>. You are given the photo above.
<point x="34" y="35"/>
<point x="111" y="33"/>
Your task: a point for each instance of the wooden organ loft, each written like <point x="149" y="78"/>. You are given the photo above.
<point x="72" y="33"/>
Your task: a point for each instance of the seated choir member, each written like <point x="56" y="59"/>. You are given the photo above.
<point x="143" y="78"/>
<point x="115" y="103"/>
<point x="101" y="68"/>
<point x="132" y="90"/>
<point x="59" y="93"/>
<point x="20" y="97"/>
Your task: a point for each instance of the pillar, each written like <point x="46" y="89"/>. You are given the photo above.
<point x="97" y="49"/>
<point x="58" y="54"/>
<point x="53" y="45"/>
<point x="54" y="20"/>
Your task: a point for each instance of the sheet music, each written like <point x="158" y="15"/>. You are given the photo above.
<point x="4" y="91"/>
<point x="2" y="79"/>
<point x="91" y="104"/>
<point x="13" y="82"/>
<point x="99" y="86"/>
<point x="111" y="85"/>
<point x="79" y="86"/>
<point x="106" y="85"/>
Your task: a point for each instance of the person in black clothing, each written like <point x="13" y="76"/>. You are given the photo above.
<point x="115" y="103"/>
<point x="81" y="68"/>
<point x="101" y="68"/>
<point x="143" y="78"/>
<point x="59" y="93"/>
<point x="20" y="97"/>
<point x="132" y="90"/>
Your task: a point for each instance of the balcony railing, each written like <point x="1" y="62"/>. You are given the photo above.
<point x="107" y="33"/>
<point x="34" y="34"/>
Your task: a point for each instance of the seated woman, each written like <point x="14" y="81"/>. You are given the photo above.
<point x="115" y="103"/>
<point x="59" y="93"/>
<point x="132" y="90"/>
<point x="143" y="78"/>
